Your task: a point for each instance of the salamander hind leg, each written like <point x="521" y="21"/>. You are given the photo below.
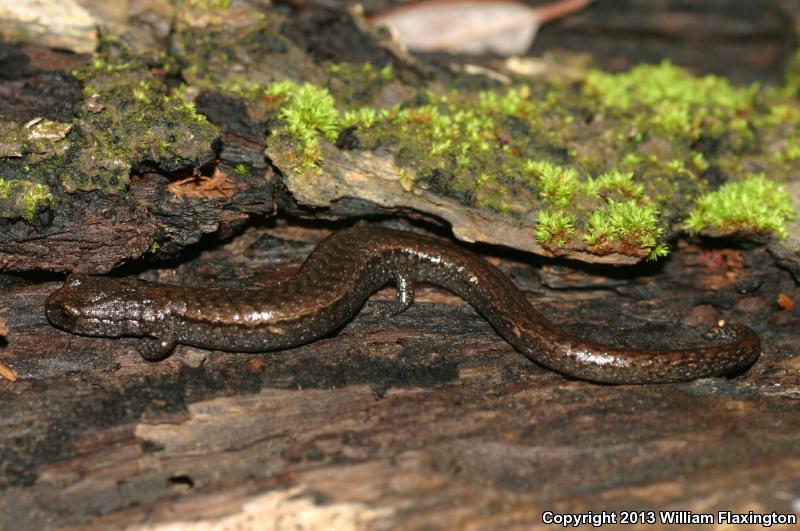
<point x="404" y="297"/>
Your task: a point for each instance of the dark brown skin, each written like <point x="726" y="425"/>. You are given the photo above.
<point x="333" y="284"/>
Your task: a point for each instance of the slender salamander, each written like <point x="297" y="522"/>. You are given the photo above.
<point x="333" y="284"/>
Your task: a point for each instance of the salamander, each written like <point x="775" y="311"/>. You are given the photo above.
<point x="333" y="284"/>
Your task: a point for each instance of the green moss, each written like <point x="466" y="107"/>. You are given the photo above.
<point x="512" y="102"/>
<point x="672" y="101"/>
<point x="557" y="184"/>
<point x="793" y="72"/>
<point x="629" y="227"/>
<point x="362" y="117"/>
<point x="129" y="116"/>
<point x="455" y="144"/>
<point x="660" y="250"/>
<point x="281" y="90"/>
<point x="22" y="199"/>
<point x="241" y="169"/>
<point x="554" y="228"/>
<point x="36" y="196"/>
<point x="755" y="205"/>
<point x="307" y="111"/>
<point x="622" y="147"/>
<point x="787" y="153"/>
<point x="133" y="117"/>
<point x="499" y="149"/>
<point x="616" y="182"/>
<point x="635" y="225"/>
<point x="387" y="73"/>
<point x="206" y="5"/>
<point x="699" y="162"/>
<point x="598" y="232"/>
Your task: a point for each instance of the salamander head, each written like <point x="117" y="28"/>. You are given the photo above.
<point x="97" y="306"/>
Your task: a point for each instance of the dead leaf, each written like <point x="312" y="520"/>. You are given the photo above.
<point x="7" y="372"/>
<point x="472" y="26"/>
<point x="256" y="364"/>
<point x="785" y="302"/>
<point x="218" y="185"/>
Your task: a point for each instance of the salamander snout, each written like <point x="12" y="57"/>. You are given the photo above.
<point x="96" y="305"/>
<point x="66" y="306"/>
<point x="61" y="311"/>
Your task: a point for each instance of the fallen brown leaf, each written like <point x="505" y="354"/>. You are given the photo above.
<point x="7" y="372"/>
<point x="785" y="302"/>
<point x="472" y="26"/>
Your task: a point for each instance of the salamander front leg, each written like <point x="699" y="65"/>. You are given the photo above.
<point x="156" y="348"/>
<point x="404" y="297"/>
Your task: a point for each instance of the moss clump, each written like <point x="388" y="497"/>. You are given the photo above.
<point x="363" y="117"/>
<point x="132" y="116"/>
<point x="628" y="227"/>
<point x="589" y="210"/>
<point x="598" y="232"/>
<point x="22" y="199"/>
<point x="754" y="205"/>
<point x="557" y="184"/>
<point x="636" y="226"/>
<point x="36" y="196"/>
<point x="554" y="228"/>
<point x="129" y="116"/>
<point x="206" y="5"/>
<point x="308" y="111"/>
<point x="485" y="151"/>
<point x="670" y="100"/>
<point x="614" y="182"/>
<point x="600" y="169"/>
<point x="793" y="72"/>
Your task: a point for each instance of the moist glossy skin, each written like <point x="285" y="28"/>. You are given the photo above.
<point x="333" y="284"/>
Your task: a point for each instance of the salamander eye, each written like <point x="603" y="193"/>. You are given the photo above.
<point x="68" y="310"/>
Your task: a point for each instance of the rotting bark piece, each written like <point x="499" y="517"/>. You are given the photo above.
<point x="235" y="46"/>
<point x="601" y="174"/>
<point x="595" y="166"/>
<point x="91" y="232"/>
<point x="367" y="184"/>
<point x="66" y="201"/>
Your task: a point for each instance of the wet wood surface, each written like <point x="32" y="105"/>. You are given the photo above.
<point x="427" y="419"/>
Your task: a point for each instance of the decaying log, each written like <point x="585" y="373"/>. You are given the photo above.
<point x="426" y="420"/>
